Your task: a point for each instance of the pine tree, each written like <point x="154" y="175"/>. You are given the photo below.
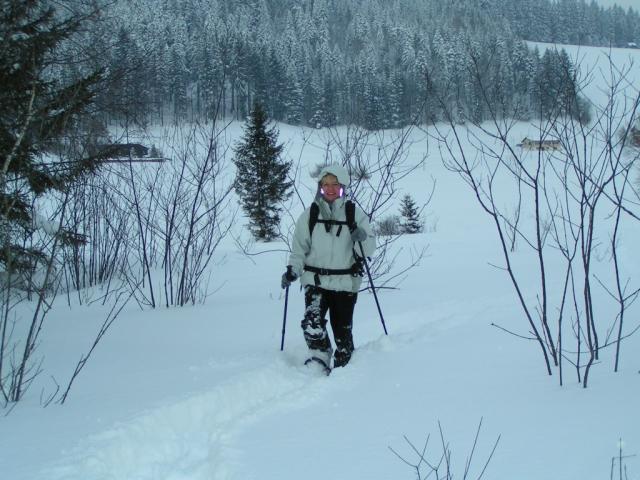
<point x="261" y="179"/>
<point x="37" y="110"/>
<point x="294" y="102"/>
<point x="410" y="222"/>
<point x="396" y="108"/>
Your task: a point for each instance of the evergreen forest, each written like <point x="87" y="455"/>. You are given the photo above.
<point x="374" y="63"/>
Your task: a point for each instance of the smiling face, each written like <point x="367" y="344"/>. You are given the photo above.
<point x="330" y="188"/>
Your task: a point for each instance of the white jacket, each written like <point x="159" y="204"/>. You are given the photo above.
<point x="327" y="249"/>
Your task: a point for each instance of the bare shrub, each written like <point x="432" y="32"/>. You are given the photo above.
<point x="440" y="465"/>
<point x="561" y="205"/>
<point x="388" y="226"/>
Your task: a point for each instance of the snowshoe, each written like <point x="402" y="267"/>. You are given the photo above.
<point x="318" y="364"/>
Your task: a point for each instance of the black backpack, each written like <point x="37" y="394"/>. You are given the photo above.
<point x="356" y="269"/>
<point x="350" y="211"/>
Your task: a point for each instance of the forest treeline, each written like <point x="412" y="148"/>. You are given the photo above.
<point x="574" y="22"/>
<point x="375" y="63"/>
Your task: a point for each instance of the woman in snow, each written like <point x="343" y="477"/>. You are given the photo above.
<point x="328" y="261"/>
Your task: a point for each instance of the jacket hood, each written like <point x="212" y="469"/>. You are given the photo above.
<point x="338" y="170"/>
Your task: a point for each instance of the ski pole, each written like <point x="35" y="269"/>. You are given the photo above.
<point x="284" y="320"/>
<point x="373" y="288"/>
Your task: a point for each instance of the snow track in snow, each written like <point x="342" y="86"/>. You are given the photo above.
<point x="193" y="438"/>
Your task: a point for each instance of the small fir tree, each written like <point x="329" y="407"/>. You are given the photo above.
<point x="410" y="222"/>
<point x="261" y="178"/>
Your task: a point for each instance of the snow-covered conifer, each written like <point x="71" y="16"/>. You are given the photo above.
<point x="36" y="112"/>
<point x="261" y="179"/>
<point x="410" y="221"/>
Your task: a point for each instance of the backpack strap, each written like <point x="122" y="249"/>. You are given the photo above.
<point x="313" y="217"/>
<point x="356" y="269"/>
<point x="350" y="211"/>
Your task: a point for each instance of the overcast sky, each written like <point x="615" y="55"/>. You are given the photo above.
<point x="623" y="3"/>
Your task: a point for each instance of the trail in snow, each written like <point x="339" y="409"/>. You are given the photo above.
<point x="195" y="438"/>
<point x="201" y="437"/>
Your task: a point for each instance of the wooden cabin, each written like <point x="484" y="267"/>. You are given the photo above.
<point x="123" y="150"/>
<point x="529" y="144"/>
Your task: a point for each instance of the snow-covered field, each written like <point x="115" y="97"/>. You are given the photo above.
<point x="204" y="392"/>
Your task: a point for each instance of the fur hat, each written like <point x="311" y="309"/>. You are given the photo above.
<point x="336" y="170"/>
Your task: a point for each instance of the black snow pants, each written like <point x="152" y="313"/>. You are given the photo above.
<point x="340" y="306"/>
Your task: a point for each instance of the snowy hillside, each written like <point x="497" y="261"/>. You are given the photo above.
<point x="203" y="392"/>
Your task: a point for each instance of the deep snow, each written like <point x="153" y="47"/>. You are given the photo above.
<point x="203" y="392"/>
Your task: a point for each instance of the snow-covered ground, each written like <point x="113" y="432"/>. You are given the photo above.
<point x="203" y="392"/>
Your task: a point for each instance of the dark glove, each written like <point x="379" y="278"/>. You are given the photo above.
<point x="358" y="235"/>
<point x="288" y="277"/>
